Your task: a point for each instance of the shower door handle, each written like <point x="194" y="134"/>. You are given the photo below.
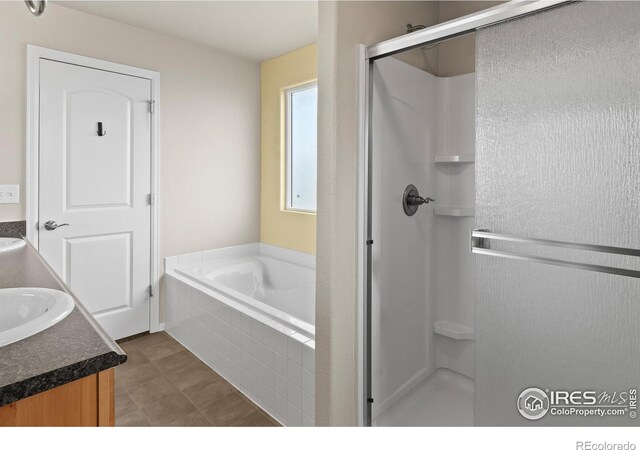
<point x="481" y="239"/>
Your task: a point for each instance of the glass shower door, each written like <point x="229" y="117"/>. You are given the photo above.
<point x="558" y="158"/>
<point x="422" y="275"/>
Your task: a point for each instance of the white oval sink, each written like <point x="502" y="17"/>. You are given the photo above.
<point x="7" y="244"/>
<point x="27" y="311"/>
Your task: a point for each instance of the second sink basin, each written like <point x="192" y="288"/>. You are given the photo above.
<point x="7" y="244"/>
<point x="27" y="311"/>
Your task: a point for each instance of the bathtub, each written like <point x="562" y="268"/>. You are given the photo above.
<point x="249" y="312"/>
<point x="278" y="288"/>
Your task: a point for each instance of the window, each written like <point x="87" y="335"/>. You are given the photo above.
<point x="301" y="147"/>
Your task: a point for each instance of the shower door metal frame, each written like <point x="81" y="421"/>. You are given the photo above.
<point x="368" y="55"/>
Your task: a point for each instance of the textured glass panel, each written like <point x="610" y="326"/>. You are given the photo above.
<point x="558" y="157"/>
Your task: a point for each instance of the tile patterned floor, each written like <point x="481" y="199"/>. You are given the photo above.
<point x="163" y="384"/>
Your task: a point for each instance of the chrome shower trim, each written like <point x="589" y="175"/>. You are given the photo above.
<point x="480" y="239"/>
<point x="484" y="234"/>
<point x="460" y="26"/>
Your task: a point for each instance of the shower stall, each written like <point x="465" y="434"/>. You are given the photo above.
<point x="501" y="197"/>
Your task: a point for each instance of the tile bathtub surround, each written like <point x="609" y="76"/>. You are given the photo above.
<point x="163" y="384"/>
<point x="13" y="229"/>
<point x="271" y="364"/>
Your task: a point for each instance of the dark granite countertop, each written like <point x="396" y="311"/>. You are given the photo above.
<point x="71" y="349"/>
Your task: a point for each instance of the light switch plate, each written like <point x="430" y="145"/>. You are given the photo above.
<point x="9" y="193"/>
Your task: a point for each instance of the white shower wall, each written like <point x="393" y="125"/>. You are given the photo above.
<point x="422" y="271"/>
<point x="453" y="271"/>
<point x="404" y="123"/>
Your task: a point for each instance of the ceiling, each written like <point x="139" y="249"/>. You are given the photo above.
<point x="255" y="30"/>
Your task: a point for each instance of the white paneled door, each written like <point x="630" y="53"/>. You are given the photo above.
<point x="95" y="176"/>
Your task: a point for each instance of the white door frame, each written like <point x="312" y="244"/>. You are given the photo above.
<point x="34" y="55"/>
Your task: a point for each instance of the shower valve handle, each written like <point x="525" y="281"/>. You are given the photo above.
<point x="411" y="199"/>
<point x="417" y="200"/>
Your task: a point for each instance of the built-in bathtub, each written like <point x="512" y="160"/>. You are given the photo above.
<point x="249" y="313"/>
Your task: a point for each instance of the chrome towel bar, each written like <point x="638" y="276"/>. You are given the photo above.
<point x="479" y="245"/>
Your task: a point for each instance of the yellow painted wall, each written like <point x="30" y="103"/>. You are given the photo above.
<point x="290" y="229"/>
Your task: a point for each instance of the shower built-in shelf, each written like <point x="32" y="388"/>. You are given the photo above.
<point x="448" y="159"/>
<point x="453" y="331"/>
<point x="454" y="211"/>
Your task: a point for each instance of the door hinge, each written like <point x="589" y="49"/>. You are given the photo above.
<point x="150" y="199"/>
<point x="369" y="241"/>
<point x="152" y="105"/>
<point x="150" y="291"/>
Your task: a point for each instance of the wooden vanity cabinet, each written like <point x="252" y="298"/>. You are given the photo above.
<point x="89" y="401"/>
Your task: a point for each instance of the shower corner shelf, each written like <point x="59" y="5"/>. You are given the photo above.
<point x="453" y="331"/>
<point x="462" y="158"/>
<point x="454" y="211"/>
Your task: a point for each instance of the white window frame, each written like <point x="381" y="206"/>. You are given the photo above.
<point x="288" y="93"/>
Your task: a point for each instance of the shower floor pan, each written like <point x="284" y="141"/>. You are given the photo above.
<point x="445" y="398"/>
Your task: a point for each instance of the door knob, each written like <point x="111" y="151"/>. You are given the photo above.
<point x="51" y="225"/>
